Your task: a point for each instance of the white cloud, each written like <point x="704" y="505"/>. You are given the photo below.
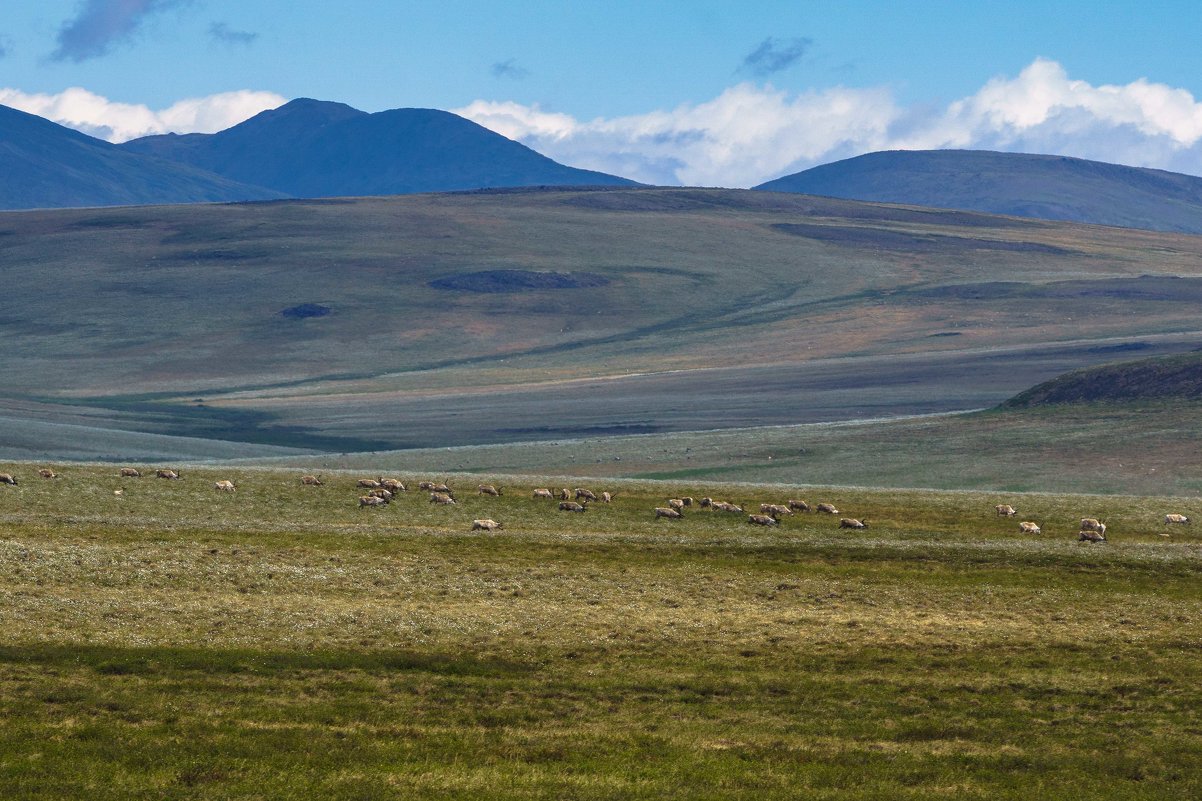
<point x="752" y="133"/>
<point x="117" y="122"/>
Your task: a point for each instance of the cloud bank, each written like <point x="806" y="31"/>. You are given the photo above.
<point x="100" y="24"/>
<point x="117" y="122"/>
<point x="752" y="133"/>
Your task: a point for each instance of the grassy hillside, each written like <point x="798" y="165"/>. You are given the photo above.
<point x="353" y="325"/>
<point x="176" y="642"/>
<point x="1022" y="184"/>
<point x="1163" y="378"/>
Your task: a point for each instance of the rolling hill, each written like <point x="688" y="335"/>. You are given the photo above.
<point x="521" y="315"/>
<point x="312" y="148"/>
<point x="46" y="165"/>
<point x="1165" y="378"/>
<point x="1019" y="184"/>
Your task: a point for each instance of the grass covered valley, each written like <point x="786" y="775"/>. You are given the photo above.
<point x="353" y="325"/>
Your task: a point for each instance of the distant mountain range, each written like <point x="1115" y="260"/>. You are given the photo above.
<point x="1046" y="187"/>
<point x="305" y="148"/>
<point x="312" y="148"/>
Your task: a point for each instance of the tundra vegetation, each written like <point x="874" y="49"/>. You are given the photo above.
<point x="900" y="311"/>
<point x="174" y="642"/>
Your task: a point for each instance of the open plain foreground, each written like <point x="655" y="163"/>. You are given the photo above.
<point x="279" y="641"/>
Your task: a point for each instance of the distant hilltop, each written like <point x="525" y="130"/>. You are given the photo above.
<point x="304" y="149"/>
<point x="1018" y="184"/>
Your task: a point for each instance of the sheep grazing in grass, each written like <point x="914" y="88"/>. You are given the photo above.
<point x="393" y="485"/>
<point x="371" y="500"/>
<point x="851" y="522"/>
<point x="487" y="524"/>
<point x="224" y="486"/>
<point x="311" y="481"/>
<point x="441" y="498"/>
<point x="46" y="472"/>
<point x="1090" y="536"/>
<point x="827" y="509"/>
<point x="799" y="506"/>
<point x="170" y="475"/>
<point x="671" y="514"/>
<point x="572" y="506"/>
<point x="543" y="492"/>
<point x="8" y="478"/>
<point x="130" y="472"/>
<point x="488" y="489"/>
<point x="582" y="493"/>
<point x="1005" y="510"/>
<point x="1093" y="524"/>
<point x="1028" y="527"/>
<point x="1174" y="519"/>
<point x="762" y="520"/>
<point x="676" y="503"/>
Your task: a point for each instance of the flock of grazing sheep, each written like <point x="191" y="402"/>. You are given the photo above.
<point x="381" y="491"/>
<point x="1090" y="530"/>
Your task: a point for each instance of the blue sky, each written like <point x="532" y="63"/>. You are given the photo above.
<point x="728" y="93"/>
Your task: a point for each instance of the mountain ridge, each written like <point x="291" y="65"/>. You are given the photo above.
<point x="47" y="165"/>
<point x="315" y="148"/>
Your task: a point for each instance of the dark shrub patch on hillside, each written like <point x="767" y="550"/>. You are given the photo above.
<point x="494" y="281"/>
<point x="306" y="310"/>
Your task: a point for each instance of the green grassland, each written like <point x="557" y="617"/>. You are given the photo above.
<point x="646" y="309"/>
<point x="1145" y="448"/>
<point x="280" y="642"/>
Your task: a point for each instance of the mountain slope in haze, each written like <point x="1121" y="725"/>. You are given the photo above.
<point x="1019" y="184"/>
<point x="312" y="148"/>
<point x="1160" y="378"/>
<point x="46" y="165"/>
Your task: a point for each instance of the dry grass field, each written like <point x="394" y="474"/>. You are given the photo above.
<point x="279" y="642"/>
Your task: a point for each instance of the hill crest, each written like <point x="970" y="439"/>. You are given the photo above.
<point x="1016" y="184"/>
